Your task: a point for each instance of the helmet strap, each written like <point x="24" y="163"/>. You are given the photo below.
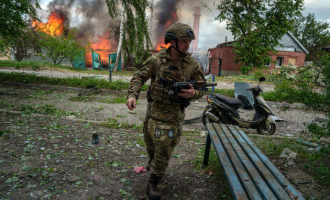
<point x="180" y="52"/>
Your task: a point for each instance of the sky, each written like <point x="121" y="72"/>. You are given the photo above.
<point x="211" y="32"/>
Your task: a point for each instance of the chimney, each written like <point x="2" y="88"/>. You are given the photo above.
<point x="194" y="44"/>
<point x="226" y="39"/>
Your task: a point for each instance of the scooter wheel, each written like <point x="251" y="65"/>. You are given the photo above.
<point x="264" y="130"/>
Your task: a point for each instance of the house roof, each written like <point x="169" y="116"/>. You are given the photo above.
<point x="289" y="33"/>
<point x="295" y="39"/>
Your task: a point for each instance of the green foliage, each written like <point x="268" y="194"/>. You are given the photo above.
<point x="47" y="109"/>
<point x="63" y="46"/>
<point x="140" y="142"/>
<point x="323" y="130"/>
<point x="70" y="81"/>
<point x="312" y="34"/>
<point x="13" y="18"/>
<point x="257" y="27"/>
<point x="286" y="72"/>
<point x="310" y="74"/>
<point x="136" y="38"/>
<point x="316" y="163"/>
<point x="227" y="93"/>
<point x="31" y="64"/>
<point x="114" y="124"/>
<point x="302" y="93"/>
<point x="319" y="170"/>
<point x="258" y="74"/>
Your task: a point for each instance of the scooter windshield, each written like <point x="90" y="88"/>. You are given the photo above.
<point x="243" y="94"/>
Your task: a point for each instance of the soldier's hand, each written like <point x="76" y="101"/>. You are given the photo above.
<point x="187" y="94"/>
<point x="131" y="103"/>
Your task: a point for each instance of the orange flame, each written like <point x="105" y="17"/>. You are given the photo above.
<point x="102" y="43"/>
<point x="160" y="42"/>
<point x="54" y="26"/>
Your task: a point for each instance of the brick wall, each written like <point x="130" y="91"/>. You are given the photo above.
<point x="229" y="67"/>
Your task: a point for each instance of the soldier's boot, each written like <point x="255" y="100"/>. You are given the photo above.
<point x="151" y="156"/>
<point x="151" y="189"/>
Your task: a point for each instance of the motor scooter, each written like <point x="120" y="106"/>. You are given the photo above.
<point x="221" y="109"/>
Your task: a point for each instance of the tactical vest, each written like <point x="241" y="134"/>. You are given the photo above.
<point x="167" y="71"/>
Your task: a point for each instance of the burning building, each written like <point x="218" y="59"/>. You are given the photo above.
<point x="95" y="24"/>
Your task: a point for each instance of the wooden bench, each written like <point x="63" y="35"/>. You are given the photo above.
<point x="249" y="173"/>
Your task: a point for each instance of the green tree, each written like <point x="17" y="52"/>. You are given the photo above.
<point x="20" y="47"/>
<point x="13" y="17"/>
<point x="257" y="27"/>
<point x="63" y="46"/>
<point x="312" y="34"/>
<point x="323" y="63"/>
<point x="136" y="36"/>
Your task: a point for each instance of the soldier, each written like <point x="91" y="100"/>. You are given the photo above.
<point x="162" y="126"/>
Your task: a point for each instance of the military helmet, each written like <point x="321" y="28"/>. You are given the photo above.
<point x="179" y="31"/>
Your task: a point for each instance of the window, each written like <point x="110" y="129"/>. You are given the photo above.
<point x="279" y="61"/>
<point x="292" y="61"/>
<point x="267" y="63"/>
<point x="37" y="51"/>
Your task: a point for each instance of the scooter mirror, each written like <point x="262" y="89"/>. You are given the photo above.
<point x="262" y="79"/>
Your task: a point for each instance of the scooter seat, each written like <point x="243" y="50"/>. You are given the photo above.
<point x="229" y="101"/>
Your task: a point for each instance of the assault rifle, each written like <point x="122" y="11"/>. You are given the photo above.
<point x="176" y="88"/>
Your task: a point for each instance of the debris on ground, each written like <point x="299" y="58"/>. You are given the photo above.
<point x="287" y="153"/>
<point x="315" y="145"/>
<point x="138" y="169"/>
<point x="95" y="138"/>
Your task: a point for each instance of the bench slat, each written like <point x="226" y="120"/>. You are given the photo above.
<point x="277" y="174"/>
<point x="234" y="184"/>
<point x="241" y="172"/>
<point x="255" y="177"/>
<point x="270" y="180"/>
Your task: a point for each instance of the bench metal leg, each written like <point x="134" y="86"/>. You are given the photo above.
<point x="207" y="149"/>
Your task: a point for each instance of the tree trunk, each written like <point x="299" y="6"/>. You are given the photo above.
<point x="120" y="42"/>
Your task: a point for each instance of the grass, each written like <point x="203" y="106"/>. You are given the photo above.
<point x="47" y="109"/>
<point x="316" y="163"/>
<point x="34" y="65"/>
<point x="227" y="93"/>
<point x="113" y="123"/>
<point x="70" y="81"/>
<point x="140" y="142"/>
<point x="46" y="65"/>
<point x="93" y="99"/>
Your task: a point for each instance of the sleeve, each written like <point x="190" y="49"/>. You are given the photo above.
<point x="198" y="75"/>
<point x="140" y="77"/>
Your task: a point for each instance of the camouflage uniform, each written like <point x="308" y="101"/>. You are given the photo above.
<point x="162" y="126"/>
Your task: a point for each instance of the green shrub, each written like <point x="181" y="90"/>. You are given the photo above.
<point x="70" y="81"/>
<point x="227" y="93"/>
<point x="258" y="74"/>
<point x="303" y="93"/>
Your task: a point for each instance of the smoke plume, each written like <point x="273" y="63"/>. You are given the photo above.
<point x="91" y="16"/>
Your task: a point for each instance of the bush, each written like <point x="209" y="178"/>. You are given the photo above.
<point x="303" y="93"/>
<point x="310" y="74"/>
<point x="258" y="74"/>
